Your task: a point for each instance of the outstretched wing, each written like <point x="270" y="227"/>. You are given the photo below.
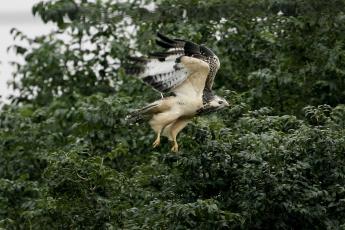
<point x="194" y="50"/>
<point x="163" y="76"/>
<point x="213" y="61"/>
<point x="163" y="70"/>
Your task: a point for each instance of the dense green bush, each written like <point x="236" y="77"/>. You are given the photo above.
<point x="274" y="160"/>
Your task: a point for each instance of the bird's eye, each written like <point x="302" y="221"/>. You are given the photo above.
<point x="220" y="102"/>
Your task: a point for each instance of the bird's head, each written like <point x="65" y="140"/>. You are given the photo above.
<point x="216" y="103"/>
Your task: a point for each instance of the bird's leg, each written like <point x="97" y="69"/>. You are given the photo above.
<point x="158" y="122"/>
<point x="162" y="96"/>
<point x="175" y="129"/>
<point x="157" y="141"/>
<point x="175" y="146"/>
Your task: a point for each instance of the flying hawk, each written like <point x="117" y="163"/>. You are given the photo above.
<point x="185" y="70"/>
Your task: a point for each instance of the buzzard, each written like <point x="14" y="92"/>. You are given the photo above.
<point x="185" y="71"/>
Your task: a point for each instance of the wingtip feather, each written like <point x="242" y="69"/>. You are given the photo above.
<point x="165" y="38"/>
<point x="164" y="44"/>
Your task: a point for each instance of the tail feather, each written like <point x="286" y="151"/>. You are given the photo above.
<point x="141" y="114"/>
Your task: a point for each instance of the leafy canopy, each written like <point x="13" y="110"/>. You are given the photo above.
<point x="274" y="160"/>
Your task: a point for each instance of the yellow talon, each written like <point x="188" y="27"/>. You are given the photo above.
<point x="156" y="143"/>
<point x="175" y="148"/>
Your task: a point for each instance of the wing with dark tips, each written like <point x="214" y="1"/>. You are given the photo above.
<point x="162" y="71"/>
<point x="189" y="48"/>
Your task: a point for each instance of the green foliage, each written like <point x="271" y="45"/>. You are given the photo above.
<point x="274" y="160"/>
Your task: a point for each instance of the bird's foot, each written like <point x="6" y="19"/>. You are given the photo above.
<point x="156" y="143"/>
<point x="175" y="148"/>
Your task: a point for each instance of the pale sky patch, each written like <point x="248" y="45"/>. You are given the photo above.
<point x="16" y="14"/>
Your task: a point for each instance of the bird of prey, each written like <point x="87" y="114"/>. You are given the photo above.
<point x="185" y="70"/>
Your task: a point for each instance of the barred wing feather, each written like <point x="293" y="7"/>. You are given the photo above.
<point x="162" y="70"/>
<point x="163" y="76"/>
<point x="194" y="50"/>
